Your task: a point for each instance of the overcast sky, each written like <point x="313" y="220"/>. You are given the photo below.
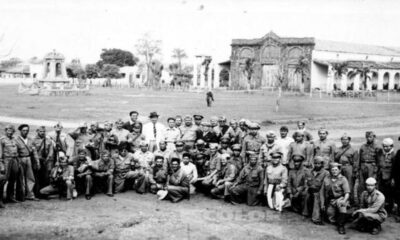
<point x="81" y="28"/>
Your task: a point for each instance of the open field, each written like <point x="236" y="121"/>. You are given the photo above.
<point x="133" y="216"/>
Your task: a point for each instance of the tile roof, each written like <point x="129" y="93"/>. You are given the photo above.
<point x="333" y="46"/>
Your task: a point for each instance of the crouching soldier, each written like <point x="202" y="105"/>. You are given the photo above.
<point x="103" y="173"/>
<point x="158" y="175"/>
<point x="335" y="194"/>
<point x="297" y="184"/>
<point x="61" y="179"/>
<point x="275" y="182"/>
<point x="248" y="186"/>
<point x="123" y="164"/>
<point x="224" y="178"/>
<point x="372" y="212"/>
<point x="178" y="183"/>
<point x="83" y="179"/>
<point x="314" y="184"/>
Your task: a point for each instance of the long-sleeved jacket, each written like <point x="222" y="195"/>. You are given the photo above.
<point x="276" y="175"/>
<point x="252" y="176"/>
<point x="44" y="147"/>
<point x="297" y="180"/>
<point x="334" y="189"/>
<point x="347" y="156"/>
<point x="373" y="203"/>
<point x="102" y="166"/>
<point x="27" y="150"/>
<point x="325" y="148"/>
<point x="8" y="148"/>
<point x="300" y="148"/>
<point x="228" y="173"/>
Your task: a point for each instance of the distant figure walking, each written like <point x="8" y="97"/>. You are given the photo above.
<point x="209" y="98"/>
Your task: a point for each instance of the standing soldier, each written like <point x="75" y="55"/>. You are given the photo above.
<point x="189" y="132"/>
<point x="60" y="143"/>
<point x="347" y="156"/>
<point x="29" y="159"/>
<point x="13" y="169"/>
<point x="275" y="182"/>
<point x="335" y="194"/>
<point x="396" y="183"/>
<point x="368" y="161"/>
<point x="209" y="98"/>
<point x="300" y="147"/>
<point x="197" y="124"/>
<point x="268" y="147"/>
<point x="81" y="137"/>
<point x="3" y="181"/>
<point x="385" y="174"/>
<point x="45" y="150"/>
<point x="283" y="142"/>
<point x="301" y="125"/>
<point x="297" y="184"/>
<point x="324" y="147"/>
<point x="252" y="142"/>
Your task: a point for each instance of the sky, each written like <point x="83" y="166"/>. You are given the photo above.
<point x="82" y="28"/>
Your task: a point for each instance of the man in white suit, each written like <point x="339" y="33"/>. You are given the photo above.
<point x="154" y="131"/>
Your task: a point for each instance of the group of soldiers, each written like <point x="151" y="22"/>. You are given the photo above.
<point x="230" y="161"/>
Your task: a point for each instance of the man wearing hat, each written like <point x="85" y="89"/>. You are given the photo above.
<point x="236" y="159"/>
<point x="45" y="150"/>
<point x="82" y="172"/>
<point x="172" y="134"/>
<point x="296" y="188"/>
<point x="368" y="161"/>
<point x="12" y="167"/>
<point x="335" y="193"/>
<point x="81" y="137"/>
<point x="300" y="147"/>
<point x="347" y="156"/>
<point x="275" y="182"/>
<point x="224" y="178"/>
<point x="253" y="141"/>
<point x="283" y="142"/>
<point x="268" y="147"/>
<point x="249" y="184"/>
<point x="208" y="136"/>
<point x="178" y="152"/>
<point x="153" y="131"/>
<point x="60" y="142"/>
<point x="133" y="119"/>
<point x="189" y="132"/>
<point x="29" y="159"/>
<point x="61" y="179"/>
<point x="386" y="159"/>
<point x="234" y="133"/>
<point x="313" y="191"/>
<point x="324" y="147"/>
<point x="224" y="146"/>
<point x="372" y="211"/>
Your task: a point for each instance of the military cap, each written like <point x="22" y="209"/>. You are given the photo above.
<point x="143" y="143"/>
<point x="199" y="156"/>
<point x="322" y="129"/>
<point x="387" y="141"/>
<point x="20" y="127"/>
<point x="370" y="181"/>
<point x="198" y="117"/>
<point x="188" y="117"/>
<point x="284" y="128"/>
<point x="345" y="136"/>
<point x="253" y="126"/>
<point x="298" y="157"/>
<point x="9" y="126"/>
<point x="334" y="164"/>
<point x="319" y="159"/>
<point x="225" y="140"/>
<point x="214" y="146"/>
<point x="369" y="133"/>
<point x="200" y="142"/>
<point x="236" y="147"/>
<point x="276" y="154"/>
<point x="271" y="134"/>
<point x="179" y="143"/>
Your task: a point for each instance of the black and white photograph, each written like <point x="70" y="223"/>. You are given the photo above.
<point x="200" y="119"/>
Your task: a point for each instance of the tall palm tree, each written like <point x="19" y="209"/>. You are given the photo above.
<point x="364" y="71"/>
<point x="248" y="70"/>
<point x="179" y="54"/>
<point x="340" y="68"/>
<point x="303" y="68"/>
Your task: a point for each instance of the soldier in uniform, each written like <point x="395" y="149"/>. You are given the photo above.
<point x="197" y="124"/>
<point x="385" y="179"/>
<point x="29" y="159"/>
<point x="297" y="180"/>
<point x="3" y="181"/>
<point x="178" y="152"/>
<point x="283" y="142"/>
<point x="81" y="137"/>
<point x="236" y="159"/>
<point x="367" y="165"/>
<point x="208" y="136"/>
<point x="172" y="134"/>
<point x="224" y="178"/>
<point x="249" y="184"/>
<point x="335" y="193"/>
<point x="313" y="190"/>
<point x="300" y="147"/>
<point x="372" y="211"/>
<point x="189" y="132"/>
<point x="252" y="142"/>
<point x="60" y="141"/>
<point x="135" y="138"/>
<point x="268" y="147"/>
<point x="61" y="179"/>
<point x="301" y="126"/>
<point x="144" y="157"/>
<point x="324" y="147"/>
<point x="158" y="175"/>
<point x="103" y="173"/>
<point x="178" y="183"/>
<point x="224" y="148"/>
<point x="347" y="156"/>
<point x="275" y="182"/>
<point x="83" y="178"/>
<point x="223" y="126"/>
<point x="234" y="133"/>
<point x="45" y="149"/>
<point x="123" y="164"/>
<point x="163" y="152"/>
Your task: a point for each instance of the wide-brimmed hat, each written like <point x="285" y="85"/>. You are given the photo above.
<point x="153" y="114"/>
<point x="161" y="194"/>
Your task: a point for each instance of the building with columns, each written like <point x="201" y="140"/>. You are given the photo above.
<point x="308" y="63"/>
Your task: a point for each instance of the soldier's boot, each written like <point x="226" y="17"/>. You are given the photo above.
<point x="341" y="220"/>
<point x="1" y="194"/>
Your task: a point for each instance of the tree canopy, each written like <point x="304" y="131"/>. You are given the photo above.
<point x="117" y="57"/>
<point x="110" y="71"/>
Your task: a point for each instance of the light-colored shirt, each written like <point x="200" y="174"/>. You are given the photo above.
<point x="145" y="159"/>
<point x="283" y="144"/>
<point x="190" y="170"/>
<point x="148" y="132"/>
<point x="122" y="134"/>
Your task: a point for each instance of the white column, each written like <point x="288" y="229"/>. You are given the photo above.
<point x="217" y="70"/>
<point x="391" y="80"/>
<point x="356" y="85"/>
<point x="52" y="72"/>
<point x="195" y="73"/>
<point x="202" y="80"/>
<point x="209" y="85"/>
<point x="380" y="79"/>
<point x="343" y="82"/>
<point x="369" y="80"/>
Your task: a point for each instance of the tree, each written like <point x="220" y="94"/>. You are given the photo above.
<point x="110" y="71"/>
<point x="179" y="54"/>
<point x="92" y="71"/>
<point x="117" y="57"/>
<point x="149" y="48"/>
<point x="339" y="69"/>
<point x="303" y="68"/>
<point x="248" y="70"/>
<point x="75" y="69"/>
<point x="364" y="71"/>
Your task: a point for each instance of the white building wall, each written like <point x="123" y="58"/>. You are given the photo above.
<point x="325" y="55"/>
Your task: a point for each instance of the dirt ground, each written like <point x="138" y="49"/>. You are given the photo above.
<point x="133" y="216"/>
